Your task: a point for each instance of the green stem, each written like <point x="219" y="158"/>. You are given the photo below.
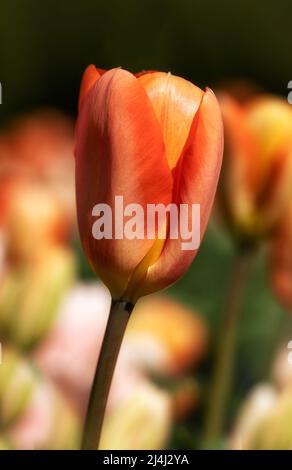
<point x="221" y="381"/>
<point x="118" y="319"/>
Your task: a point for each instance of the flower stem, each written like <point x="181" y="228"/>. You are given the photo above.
<point x="221" y="382"/>
<point x="118" y="319"/>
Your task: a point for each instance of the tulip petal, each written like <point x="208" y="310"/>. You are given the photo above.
<point x="241" y="171"/>
<point x="241" y="145"/>
<point x="276" y="194"/>
<point x="195" y="182"/>
<point x="90" y="76"/>
<point x="119" y="152"/>
<point x="175" y="102"/>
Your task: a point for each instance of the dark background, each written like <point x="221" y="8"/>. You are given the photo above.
<point x="45" y="45"/>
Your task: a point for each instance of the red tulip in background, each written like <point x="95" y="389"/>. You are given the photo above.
<point x="151" y="138"/>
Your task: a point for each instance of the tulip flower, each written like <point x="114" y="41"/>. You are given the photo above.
<point x="256" y="178"/>
<point x="150" y="139"/>
<point x="281" y="261"/>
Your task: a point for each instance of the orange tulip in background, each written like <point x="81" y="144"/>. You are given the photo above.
<point x="35" y="221"/>
<point x="257" y="173"/>
<point x="180" y="335"/>
<point x="281" y="261"/>
<point x="151" y="138"/>
<point x="38" y="148"/>
<point x="254" y="195"/>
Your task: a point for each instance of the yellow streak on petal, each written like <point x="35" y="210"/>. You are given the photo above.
<point x="140" y="272"/>
<point x="175" y="103"/>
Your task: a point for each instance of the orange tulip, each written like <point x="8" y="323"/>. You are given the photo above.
<point x="151" y="138"/>
<point x="257" y="174"/>
<point x="281" y="261"/>
<point x="35" y="221"/>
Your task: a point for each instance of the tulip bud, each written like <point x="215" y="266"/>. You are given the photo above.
<point x="148" y="139"/>
<point x="256" y="179"/>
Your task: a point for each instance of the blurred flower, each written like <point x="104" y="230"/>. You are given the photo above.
<point x="5" y="444"/>
<point x="264" y="419"/>
<point x="127" y="127"/>
<point x="256" y="408"/>
<point x="280" y="430"/>
<point x="281" y="261"/>
<point x="30" y="295"/>
<point x="35" y="414"/>
<point x="282" y="368"/>
<point x="34" y="222"/>
<point x="37" y="266"/>
<point x="165" y="336"/>
<point x="185" y="397"/>
<point x="264" y="422"/>
<point x="48" y="422"/>
<point x="256" y="184"/>
<point x="275" y="431"/>
<point x="68" y="354"/>
<point x="17" y="382"/>
<point x="39" y="147"/>
<point x="141" y="422"/>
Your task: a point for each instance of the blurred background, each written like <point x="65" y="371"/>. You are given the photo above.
<point x="52" y="309"/>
